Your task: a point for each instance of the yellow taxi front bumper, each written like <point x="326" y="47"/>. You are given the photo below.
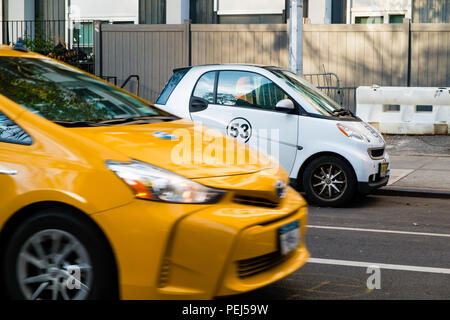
<point x="177" y="251"/>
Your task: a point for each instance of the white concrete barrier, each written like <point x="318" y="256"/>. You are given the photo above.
<point x="405" y="110"/>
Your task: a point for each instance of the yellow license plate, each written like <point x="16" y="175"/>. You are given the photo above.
<point x="383" y="169"/>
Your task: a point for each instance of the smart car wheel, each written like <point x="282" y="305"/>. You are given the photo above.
<point x="57" y="256"/>
<point x="329" y="181"/>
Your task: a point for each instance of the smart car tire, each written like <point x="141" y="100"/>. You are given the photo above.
<point x="329" y="181"/>
<point x="58" y="254"/>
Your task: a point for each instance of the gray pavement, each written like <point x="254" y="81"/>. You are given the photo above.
<point x="419" y="163"/>
<point x="407" y="237"/>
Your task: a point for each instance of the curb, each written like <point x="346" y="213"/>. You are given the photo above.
<point x="419" y="193"/>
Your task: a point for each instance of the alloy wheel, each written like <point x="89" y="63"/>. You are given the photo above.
<point x="53" y="264"/>
<point x="328" y="181"/>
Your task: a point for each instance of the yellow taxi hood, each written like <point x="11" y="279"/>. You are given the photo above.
<point x="179" y="146"/>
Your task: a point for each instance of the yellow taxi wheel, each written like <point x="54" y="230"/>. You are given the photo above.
<point x="58" y="255"/>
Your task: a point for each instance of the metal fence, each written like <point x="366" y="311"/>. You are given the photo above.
<point x="387" y="55"/>
<point x="68" y="40"/>
<point x="329" y="83"/>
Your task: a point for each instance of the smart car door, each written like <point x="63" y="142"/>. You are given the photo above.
<point x="202" y="106"/>
<point x="251" y="110"/>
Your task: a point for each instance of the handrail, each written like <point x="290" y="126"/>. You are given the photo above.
<point x="109" y="78"/>
<point x="129" y="78"/>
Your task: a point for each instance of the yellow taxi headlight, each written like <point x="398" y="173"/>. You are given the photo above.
<point x="153" y="183"/>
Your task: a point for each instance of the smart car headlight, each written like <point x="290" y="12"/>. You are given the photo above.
<point x="152" y="183"/>
<point x="351" y="132"/>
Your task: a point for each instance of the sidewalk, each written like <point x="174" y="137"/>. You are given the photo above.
<point x="420" y="165"/>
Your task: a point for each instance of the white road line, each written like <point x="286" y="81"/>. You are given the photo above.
<point x="381" y="231"/>
<point x="379" y="265"/>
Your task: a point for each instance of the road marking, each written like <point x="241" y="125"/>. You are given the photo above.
<point x="379" y="265"/>
<point x="382" y="231"/>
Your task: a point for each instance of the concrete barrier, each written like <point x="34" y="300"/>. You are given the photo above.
<point x="405" y="110"/>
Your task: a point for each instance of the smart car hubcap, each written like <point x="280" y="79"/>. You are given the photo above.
<point x="53" y="264"/>
<point x="328" y="181"/>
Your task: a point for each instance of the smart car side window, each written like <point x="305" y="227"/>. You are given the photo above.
<point x="248" y="89"/>
<point x="10" y="132"/>
<point x="170" y="86"/>
<point x="205" y="87"/>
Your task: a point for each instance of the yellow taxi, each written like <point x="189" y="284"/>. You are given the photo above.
<point x="94" y="205"/>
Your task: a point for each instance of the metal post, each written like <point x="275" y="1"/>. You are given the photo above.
<point x="295" y="37"/>
<point x="98" y="68"/>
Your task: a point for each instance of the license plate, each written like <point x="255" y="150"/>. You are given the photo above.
<point x="383" y="169"/>
<point x="289" y="237"/>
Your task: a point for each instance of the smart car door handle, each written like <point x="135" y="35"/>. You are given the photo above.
<point x="8" y="172"/>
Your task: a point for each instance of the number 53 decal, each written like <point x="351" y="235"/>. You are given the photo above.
<point x="240" y="129"/>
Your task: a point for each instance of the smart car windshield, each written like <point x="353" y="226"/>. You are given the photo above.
<point x="322" y="104"/>
<point x="69" y="97"/>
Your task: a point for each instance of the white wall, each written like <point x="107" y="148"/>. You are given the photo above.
<point x="112" y="10"/>
<point x="1" y="24"/>
<point x="319" y="11"/>
<point x="250" y="6"/>
<point x="177" y="11"/>
<point x="21" y="10"/>
<point x="380" y="8"/>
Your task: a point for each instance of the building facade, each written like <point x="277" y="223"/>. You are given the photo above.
<point x="56" y="18"/>
<point x="65" y="21"/>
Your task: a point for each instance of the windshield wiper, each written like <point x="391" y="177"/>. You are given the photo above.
<point x="68" y="123"/>
<point x="342" y="112"/>
<point x="128" y="120"/>
<point x="140" y="119"/>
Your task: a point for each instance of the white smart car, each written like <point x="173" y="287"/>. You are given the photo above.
<point x="329" y="153"/>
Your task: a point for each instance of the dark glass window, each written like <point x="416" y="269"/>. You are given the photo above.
<point x="205" y="87"/>
<point x="369" y="20"/>
<point x="391" y="108"/>
<point x="152" y="11"/>
<point x="396" y="18"/>
<point x="170" y="86"/>
<point x="424" y="108"/>
<point x="247" y="89"/>
<point x="10" y="132"/>
<point x="338" y="11"/>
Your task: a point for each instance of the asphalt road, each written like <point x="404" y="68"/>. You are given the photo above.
<point x="408" y="239"/>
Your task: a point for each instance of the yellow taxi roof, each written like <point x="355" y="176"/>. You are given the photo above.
<point x="8" y="51"/>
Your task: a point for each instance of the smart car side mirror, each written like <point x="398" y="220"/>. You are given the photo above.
<point x="286" y="104"/>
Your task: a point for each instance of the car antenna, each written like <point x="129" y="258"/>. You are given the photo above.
<point x="20" y="46"/>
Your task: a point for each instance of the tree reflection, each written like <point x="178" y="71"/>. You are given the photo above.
<point x="29" y="84"/>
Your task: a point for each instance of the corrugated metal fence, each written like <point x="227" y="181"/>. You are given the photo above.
<point x="387" y="55"/>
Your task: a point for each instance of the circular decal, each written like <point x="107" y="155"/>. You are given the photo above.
<point x="240" y="129"/>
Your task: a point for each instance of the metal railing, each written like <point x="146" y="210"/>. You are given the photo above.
<point x="136" y="83"/>
<point x="329" y="83"/>
<point x="69" y="40"/>
<point x="135" y="76"/>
